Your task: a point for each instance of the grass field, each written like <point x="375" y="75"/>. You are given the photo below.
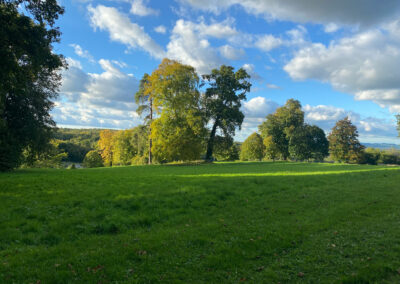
<point x="218" y="223"/>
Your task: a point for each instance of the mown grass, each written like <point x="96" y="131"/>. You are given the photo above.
<point x="216" y="223"/>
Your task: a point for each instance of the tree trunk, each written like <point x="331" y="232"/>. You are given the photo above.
<point x="150" y="140"/>
<point x="210" y="144"/>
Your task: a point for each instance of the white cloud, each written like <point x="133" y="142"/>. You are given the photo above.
<point x="231" y="53"/>
<point x="99" y="100"/>
<point x="82" y="53"/>
<point x="250" y="69"/>
<point x="160" y="29"/>
<point x="365" y="65"/>
<point x="268" y="42"/>
<point x="259" y="107"/>
<point x="354" y="12"/>
<point x="272" y="86"/>
<point x="139" y="8"/>
<point x="122" y="30"/>
<point x="189" y="44"/>
<point x="331" y="28"/>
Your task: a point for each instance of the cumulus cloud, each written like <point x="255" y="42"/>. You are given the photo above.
<point x="355" y="12"/>
<point x="122" y="30"/>
<point x="160" y="29"/>
<point x="82" y="53"/>
<point x="189" y="44"/>
<point x="139" y="8"/>
<point x="231" y="53"/>
<point x="365" y="65"/>
<point x="259" y="107"/>
<point x="103" y="99"/>
<point x="250" y="69"/>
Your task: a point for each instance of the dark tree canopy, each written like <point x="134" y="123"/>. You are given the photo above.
<point x="343" y="142"/>
<point x="283" y="124"/>
<point x="223" y="101"/>
<point x="29" y="78"/>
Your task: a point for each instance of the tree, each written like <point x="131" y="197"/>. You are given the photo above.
<point x="106" y="147"/>
<point x="144" y="99"/>
<point x="252" y="148"/>
<point x="343" y="142"/>
<point x="398" y="123"/>
<point x="225" y="149"/>
<point x="92" y="160"/>
<point x="271" y="149"/>
<point x="29" y="77"/>
<point x="131" y="144"/>
<point x="179" y="131"/>
<point x="318" y="142"/>
<point x="223" y="101"/>
<point x="308" y="142"/>
<point x="283" y="124"/>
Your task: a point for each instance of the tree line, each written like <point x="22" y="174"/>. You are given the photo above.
<point x="186" y="116"/>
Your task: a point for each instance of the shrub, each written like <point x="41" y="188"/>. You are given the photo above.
<point x="92" y="160"/>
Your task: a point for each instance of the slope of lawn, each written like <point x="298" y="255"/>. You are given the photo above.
<point x="217" y="223"/>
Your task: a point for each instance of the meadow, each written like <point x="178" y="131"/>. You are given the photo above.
<point x="259" y="222"/>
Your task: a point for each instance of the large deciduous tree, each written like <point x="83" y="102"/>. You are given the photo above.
<point x="144" y="99"/>
<point x="343" y="142"/>
<point x="29" y="77"/>
<point x="223" y="101"/>
<point x="178" y="131"/>
<point x="283" y="124"/>
<point x="252" y="148"/>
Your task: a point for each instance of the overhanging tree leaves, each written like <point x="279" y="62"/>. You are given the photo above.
<point x="29" y="78"/>
<point x="223" y="101"/>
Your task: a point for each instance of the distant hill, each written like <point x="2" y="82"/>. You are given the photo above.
<point x="382" y="146"/>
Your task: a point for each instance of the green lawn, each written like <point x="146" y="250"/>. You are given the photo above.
<point x="228" y="222"/>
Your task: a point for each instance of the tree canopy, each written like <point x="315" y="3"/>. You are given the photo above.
<point x="252" y="148"/>
<point x="343" y="142"/>
<point x="178" y="131"/>
<point x="29" y="79"/>
<point x="222" y="102"/>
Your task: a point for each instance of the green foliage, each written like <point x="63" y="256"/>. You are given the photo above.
<point x="178" y="132"/>
<point x="252" y="148"/>
<point x="398" y="123"/>
<point x="222" y="102"/>
<point x="286" y="135"/>
<point x="144" y="99"/>
<point x="52" y="157"/>
<point x="225" y="149"/>
<point x="271" y="149"/>
<point x="29" y="78"/>
<point x="93" y="160"/>
<point x="216" y="223"/>
<point x="376" y="156"/>
<point x="343" y="142"/>
<point x="130" y="145"/>
<point x="308" y="142"/>
<point x="106" y="146"/>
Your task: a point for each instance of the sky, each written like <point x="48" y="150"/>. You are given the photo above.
<point x="338" y="58"/>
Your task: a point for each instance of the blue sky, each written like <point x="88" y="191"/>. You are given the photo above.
<point x="339" y="58"/>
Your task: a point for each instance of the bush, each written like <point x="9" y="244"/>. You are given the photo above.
<point x="92" y="160"/>
<point x="139" y="160"/>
